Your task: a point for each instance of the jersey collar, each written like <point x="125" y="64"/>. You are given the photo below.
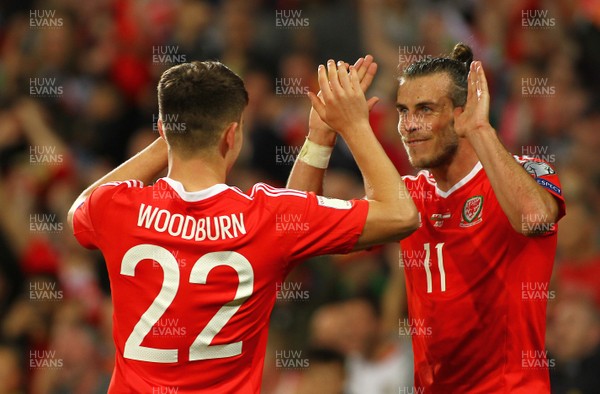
<point x="196" y="195"/>
<point x="460" y="183"/>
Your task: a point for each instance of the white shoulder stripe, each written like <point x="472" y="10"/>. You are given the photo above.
<point x="273" y="189"/>
<point x="241" y="193"/>
<point x="269" y="191"/>
<point x="129" y="183"/>
<point x="274" y="192"/>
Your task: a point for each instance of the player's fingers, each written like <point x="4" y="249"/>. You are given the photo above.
<point x="343" y="76"/>
<point x="367" y="79"/>
<point x="483" y="85"/>
<point x="362" y="68"/>
<point x="324" y="83"/>
<point x="358" y="62"/>
<point x="332" y="73"/>
<point x="471" y="86"/>
<point x="478" y="89"/>
<point x="317" y="104"/>
<point x="354" y="80"/>
<point x="372" y="102"/>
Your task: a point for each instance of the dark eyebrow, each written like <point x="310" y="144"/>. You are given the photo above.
<point x="419" y="104"/>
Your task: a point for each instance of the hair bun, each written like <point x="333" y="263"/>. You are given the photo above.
<point x="462" y="53"/>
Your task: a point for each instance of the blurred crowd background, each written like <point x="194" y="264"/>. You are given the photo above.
<point x="78" y="96"/>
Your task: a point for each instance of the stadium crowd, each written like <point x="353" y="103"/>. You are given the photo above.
<point x="78" y="96"/>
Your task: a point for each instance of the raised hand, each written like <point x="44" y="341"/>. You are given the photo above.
<point x="475" y="114"/>
<point x="366" y="69"/>
<point x="343" y="105"/>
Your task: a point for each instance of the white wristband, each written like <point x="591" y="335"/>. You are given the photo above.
<point x="315" y="155"/>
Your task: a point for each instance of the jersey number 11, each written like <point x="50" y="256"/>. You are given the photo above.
<point x="440" y="259"/>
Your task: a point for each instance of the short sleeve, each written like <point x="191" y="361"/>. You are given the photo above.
<point x="83" y="229"/>
<point x="88" y="216"/>
<point x="546" y="177"/>
<point x="308" y="225"/>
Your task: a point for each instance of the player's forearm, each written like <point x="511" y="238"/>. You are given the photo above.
<point x="382" y="182"/>
<point x="306" y="177"/>
<point x="379" y="173"/>
<point x="526" y="204"/>
<point x="144" y="166"/>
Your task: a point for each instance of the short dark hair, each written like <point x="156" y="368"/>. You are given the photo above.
<point x="456" y="66"/>
<point x="196" y="101"/>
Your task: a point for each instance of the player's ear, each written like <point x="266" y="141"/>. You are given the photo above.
<point x="159" y="124"/>
<point x="229" y="136"/>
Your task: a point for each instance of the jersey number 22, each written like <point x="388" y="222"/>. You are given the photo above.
<point x="200" y="348"/>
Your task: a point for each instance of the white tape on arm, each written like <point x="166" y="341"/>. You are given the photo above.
<point x="315" y="155"/>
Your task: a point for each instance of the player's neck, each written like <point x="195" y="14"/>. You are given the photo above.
<point x="449" y="174"/>
<point x="196" y="173"/>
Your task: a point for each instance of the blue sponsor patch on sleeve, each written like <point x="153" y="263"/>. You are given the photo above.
<point x="549" y="185"/>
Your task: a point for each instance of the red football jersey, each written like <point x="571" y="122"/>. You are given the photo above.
<point x="477" y="289"/>
<point x="193" y="275"/>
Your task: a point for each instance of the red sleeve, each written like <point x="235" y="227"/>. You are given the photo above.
<point x="546" y="177"/>
<point x="83" y="229"/>
<point x="307" y="225"/>
<point x="333" y="226"/>
<point x="89" y="215"/>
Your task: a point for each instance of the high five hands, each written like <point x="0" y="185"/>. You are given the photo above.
<point x="341" y="104"/>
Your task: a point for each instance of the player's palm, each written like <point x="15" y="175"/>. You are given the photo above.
<point x="475" y="113"/>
